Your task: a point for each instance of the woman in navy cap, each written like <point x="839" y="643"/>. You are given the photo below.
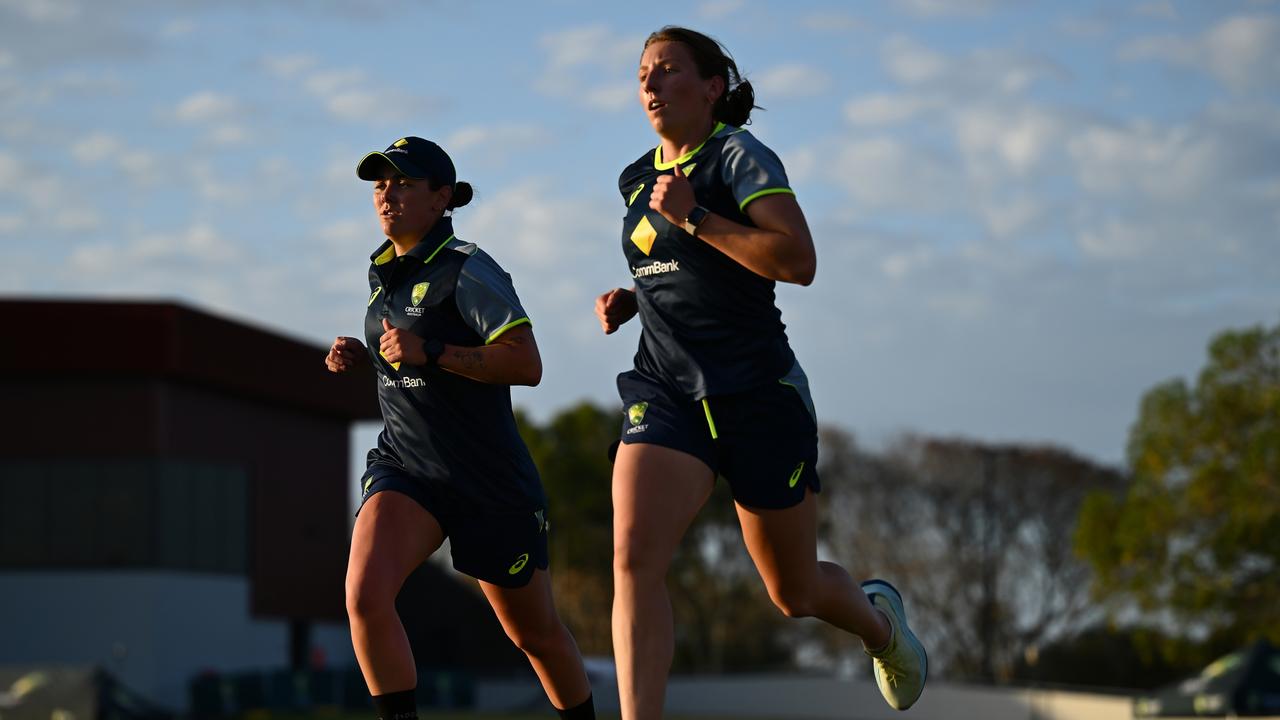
<point x="711" y="224"/>
<point x="447" y="338"/>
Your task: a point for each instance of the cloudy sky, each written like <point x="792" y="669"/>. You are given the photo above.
<point x="1026" y="213"/>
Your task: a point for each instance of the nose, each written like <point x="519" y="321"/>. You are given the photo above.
<point x="650" y="83"/>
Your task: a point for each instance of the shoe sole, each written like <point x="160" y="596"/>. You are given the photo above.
<point x="890" y="593"/>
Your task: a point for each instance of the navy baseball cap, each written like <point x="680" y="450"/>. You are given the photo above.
<point x="412" y="157"/>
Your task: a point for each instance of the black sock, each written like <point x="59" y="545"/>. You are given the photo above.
<point x="585" y="711"/>
<point x="396" y="706"/>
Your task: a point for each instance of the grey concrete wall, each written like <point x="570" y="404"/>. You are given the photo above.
<point x="153" y="631"/>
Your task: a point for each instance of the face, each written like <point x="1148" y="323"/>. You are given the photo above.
<point x="407" y="207"/>
<point x="674" y="96"/>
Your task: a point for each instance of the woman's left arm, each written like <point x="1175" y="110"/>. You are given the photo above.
<point x="779" y="247"/>
<point x="510" y="359"/>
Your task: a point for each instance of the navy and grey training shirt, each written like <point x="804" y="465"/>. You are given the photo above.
<point x="456" y="434"/>
<point x="710" y="325"/>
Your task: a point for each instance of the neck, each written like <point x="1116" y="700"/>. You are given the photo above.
<point x="405" y="243"/>
<point x="678" y="143"/>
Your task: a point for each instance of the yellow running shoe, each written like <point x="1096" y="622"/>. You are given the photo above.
<point x="902" y="665"/>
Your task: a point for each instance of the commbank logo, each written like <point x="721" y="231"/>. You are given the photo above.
<point x="657" y="267"/>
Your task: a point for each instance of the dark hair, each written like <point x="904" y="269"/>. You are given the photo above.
<point x="462" y="193"/>
<point x="735" y="104"/>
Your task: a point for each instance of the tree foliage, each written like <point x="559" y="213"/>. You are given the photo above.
<point x="976" y="536"/>
<point x="1197" y="534"/>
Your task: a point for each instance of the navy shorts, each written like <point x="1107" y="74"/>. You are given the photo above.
<point x="502" y="548"/>
<point x="763" y="441"/>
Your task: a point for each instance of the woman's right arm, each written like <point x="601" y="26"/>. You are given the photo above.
<point x="615" y="308"/>
<point x="346" y="354"/>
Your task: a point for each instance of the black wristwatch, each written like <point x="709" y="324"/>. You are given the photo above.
<point x="433" y="348"/>
<point x="694" y="219"/>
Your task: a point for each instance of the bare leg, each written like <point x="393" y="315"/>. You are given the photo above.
<point x="657" y="492"/>
<point x="783" y="544"/>
<point x="393" y="536"/>
<point x="528" y="614"/>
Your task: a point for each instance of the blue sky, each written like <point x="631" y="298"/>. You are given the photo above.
<point x="1026" y="213"/>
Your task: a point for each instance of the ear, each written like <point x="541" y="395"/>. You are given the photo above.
<point x="715" y="89"/>
<point x="446" y="194"/>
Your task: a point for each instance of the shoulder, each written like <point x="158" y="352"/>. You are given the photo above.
<point x="478" y="265"/>
<point x="739" y="142"/>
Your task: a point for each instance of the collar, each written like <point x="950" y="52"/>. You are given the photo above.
<point x="433" y="242"/>
<point x="658" y="163"/>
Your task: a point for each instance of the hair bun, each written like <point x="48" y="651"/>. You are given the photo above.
<point x="462" y="194"/>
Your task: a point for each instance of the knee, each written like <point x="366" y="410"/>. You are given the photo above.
<point x="367" y="598"/>
<point x="633" y="563"/>
<point x="539" y="640"/>
<point x="794" y="601"/>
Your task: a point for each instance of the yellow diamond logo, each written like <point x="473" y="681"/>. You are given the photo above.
<point x="644" y="235"/>
<point x="401" y="142"/>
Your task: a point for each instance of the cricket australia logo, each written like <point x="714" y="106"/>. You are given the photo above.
<point x="415" y="297"/>
<point x="635" y="414"/>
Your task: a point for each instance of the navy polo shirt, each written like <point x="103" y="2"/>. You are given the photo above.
<point x="710" y="325"/>
<point x="455" y="434"/>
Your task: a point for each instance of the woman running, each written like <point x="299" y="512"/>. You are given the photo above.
<point x="711" y="224"/>
<point x="447" y="337"/>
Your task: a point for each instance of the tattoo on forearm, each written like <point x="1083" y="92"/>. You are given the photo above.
<point x="470" y="359"/>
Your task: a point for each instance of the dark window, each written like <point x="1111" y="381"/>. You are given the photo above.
<point x="124" y="514"/>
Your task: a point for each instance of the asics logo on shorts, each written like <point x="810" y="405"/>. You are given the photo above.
<point x="519" y="564"/>
<point x="795" y="475"/>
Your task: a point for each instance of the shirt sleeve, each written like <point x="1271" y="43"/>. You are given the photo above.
<point x="486" y="298"/>
<point x="752" y="170"/>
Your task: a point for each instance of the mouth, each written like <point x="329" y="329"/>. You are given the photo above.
<point x="656" y="105"/>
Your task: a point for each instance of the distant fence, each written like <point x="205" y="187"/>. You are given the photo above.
<point x="215" y="695"/>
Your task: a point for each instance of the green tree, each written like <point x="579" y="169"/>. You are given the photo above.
<point x="1197" y="534"/>
<point x="571" y="452"/>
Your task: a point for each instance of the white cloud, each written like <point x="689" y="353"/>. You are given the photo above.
<point x="494" y="138"/>
<point x="11" y="224"/>
<point x="1010" y="218"/>
<point x="77" y="219"/>
<point x="887" y="109"/>
<point x="980" y="72"/>
<point x="1242" y="52"/>
<point x="205" y="107"/>
<point x="1018" y="138"/>
<point x="720" y="9"/>
<point x="199" y="247"/>
<point x="1157" y="10"/>
<point x="591" y="45"/>
<point x="96" y="148"/>
<point x="287" y="67"/>
<point x="831" y="22"/>
<point x="45" y="11"/>
<point x="886" y="173"/>
<point x="947" y="8"/>
<point x="178" y="28"/>
<point x="792" y="80"/>
<point x="912" y="63"/>
<point x="589" y="64"/>
<point x="1167" y="163"/>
